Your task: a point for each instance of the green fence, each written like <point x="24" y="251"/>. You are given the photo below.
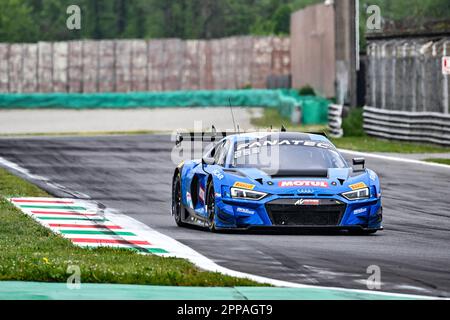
<point x="314" y="109"/>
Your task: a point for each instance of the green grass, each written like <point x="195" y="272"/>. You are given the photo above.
<point x="358" y="143"/>
<point x="437" y="160"/>
<point x="31" y="252"/>
<point x="352" y="124"/>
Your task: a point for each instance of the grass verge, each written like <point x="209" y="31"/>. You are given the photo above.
<point x="370" y="144"/>
<point x="437" y="160"/>
<point x="358" y="143"/>
<point x="30" y="252"/>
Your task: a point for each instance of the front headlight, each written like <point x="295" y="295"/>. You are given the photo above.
<point x="247" y="194"/>
<point x="357" y="194"/>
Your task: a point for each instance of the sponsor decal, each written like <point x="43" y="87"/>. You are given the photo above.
<point x="189" y="200"/>
<point x="246" y="149"/>
<point x="359" y="211"/>
<point x="245" y="210"/>
<point x="244" y="185"/>
<point x="245" y="152"/>
<point x="358" y="186"/>
<point x="266" y="143"/>
<point x="218" y="174"/>
<point x="307" y="202"/>
<point x="303" y="183"/>
<point x="372" y="176"/>
<point x="201" y="194"/>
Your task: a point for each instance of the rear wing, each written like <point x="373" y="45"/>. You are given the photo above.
<point x="213" y="136"/>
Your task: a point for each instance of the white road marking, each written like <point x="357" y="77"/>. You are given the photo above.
<point x="389" y="158"/>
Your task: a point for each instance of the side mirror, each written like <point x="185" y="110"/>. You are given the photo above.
<point x="359" y="162"/>
<point x="208" y="160"/>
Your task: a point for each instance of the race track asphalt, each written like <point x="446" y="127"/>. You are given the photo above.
<point x="133" y="175"/>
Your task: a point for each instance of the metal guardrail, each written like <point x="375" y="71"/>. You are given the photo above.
<point x="408" y="126"/>
<point x="335" y="120"/>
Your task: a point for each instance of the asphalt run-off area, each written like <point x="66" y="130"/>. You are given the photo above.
<point x="133" y="175"/>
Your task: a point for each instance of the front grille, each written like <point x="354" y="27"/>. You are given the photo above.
<point x="284" y="212"/>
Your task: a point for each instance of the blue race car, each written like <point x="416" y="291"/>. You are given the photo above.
<point x="276" y="180"/>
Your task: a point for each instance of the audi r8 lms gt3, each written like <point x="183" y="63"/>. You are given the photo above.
<point x="276" y="180"/>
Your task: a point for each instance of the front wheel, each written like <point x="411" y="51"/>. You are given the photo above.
<point x="211" y="208"/>
<point x="176" y="201"/>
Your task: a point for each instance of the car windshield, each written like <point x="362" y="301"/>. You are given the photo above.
<point x="287" y="155"/>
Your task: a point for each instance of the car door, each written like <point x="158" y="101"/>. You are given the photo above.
<point x="198" y="184"/>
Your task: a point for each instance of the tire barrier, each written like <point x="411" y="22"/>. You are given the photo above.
<point x="313" y="109"/>
<point x="335" y="120"/>
<point x="408" y="126"/>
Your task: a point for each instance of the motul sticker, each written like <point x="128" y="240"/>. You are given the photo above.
<point x="303" y="183"/>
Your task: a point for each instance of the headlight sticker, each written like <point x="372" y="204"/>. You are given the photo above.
<point x="244" y="185"/>
<point x="356" y="186"/>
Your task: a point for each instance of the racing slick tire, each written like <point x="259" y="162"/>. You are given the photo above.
<point x="211" y="208"/>
<point x="177" y="207"/>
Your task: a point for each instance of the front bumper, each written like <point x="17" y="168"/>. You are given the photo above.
<point x="298" y="229"/>
<point x="277" y="212"/>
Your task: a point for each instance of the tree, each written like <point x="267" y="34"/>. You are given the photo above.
<point x="34" y="20"/>
<point x="282" y="20"/>
<point x="16" y="22"/>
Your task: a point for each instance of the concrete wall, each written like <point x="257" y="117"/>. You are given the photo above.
<point x="142" y="65"/>
<point x="313" y="49"/>
<point x="347" y="52"/>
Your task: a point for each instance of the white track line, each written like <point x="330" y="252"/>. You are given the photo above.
<point x="389" y="158"/>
